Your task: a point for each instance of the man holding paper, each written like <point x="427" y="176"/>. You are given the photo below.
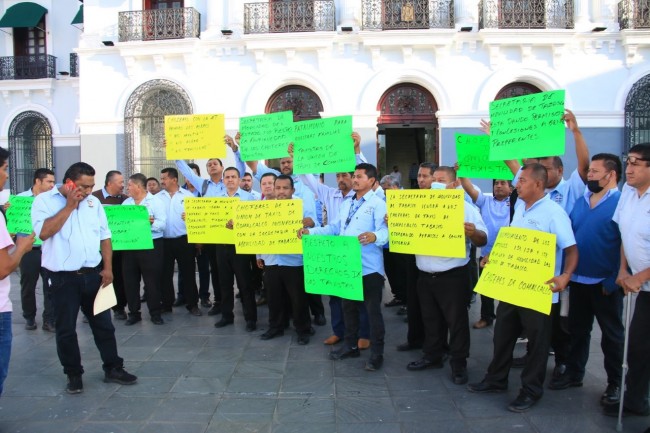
<point x="76" y="239"/>
<point x="535" y="210"/>
<point x="363" y="217"/>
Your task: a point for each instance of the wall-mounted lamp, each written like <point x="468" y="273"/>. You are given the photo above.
<point x="466" y="29"/>
<point x="226" y="32"/>
<point x="599" y="29"/>
<point x="108" y="43"/>
<point x="346" y="29"/>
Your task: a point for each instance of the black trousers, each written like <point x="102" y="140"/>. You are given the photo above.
<point x="587" y="301"/>
<point x="316" y="306"/>
<point x="118" y="281"/>
<point x="560" y="338"/>
<point x="395" y="266"/>
<point x="511" y="321"/>
<point x="373" y="286"/>
<point x="211" y="251"/>
<point x="231" y="266"/>
<point x="638" y="356"/>
<point x="487" y="304"/>
<point x="30" y="270"/>
<point x="284" y="282"/>
<point x="179" y="250"/>
<point x="415" y="333"/>
<point x="148" y="264"/>
<point x="443" y="300"/>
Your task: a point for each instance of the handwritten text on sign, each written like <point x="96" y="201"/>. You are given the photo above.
<point x="268" y="227"/>
<point x="266" y="136"/>
<point x="195" y="136"/>
<point x="323" y="146"/>
<point x="206" y="218"/>
<point x="333" y="266"/>
<point x="473" y="159"/>
<point x="520" y="263"/>
<point x="19" y="216"/>
<point x="426" y="222"/>
<point x="130" y="227"/>
<point x="527" y="126"/>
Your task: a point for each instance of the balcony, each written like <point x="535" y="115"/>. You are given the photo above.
<point x="634" y="14"/>
<point x="289" y="17"/>
<point x="525" y="14"/>
<point x="159" y="24"/>
<point x="407" y="14"/>
<point x="27" y="67"/>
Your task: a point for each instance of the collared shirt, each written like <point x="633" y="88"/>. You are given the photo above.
<point x="28" y="193"/>
<point x="587" y="195"/>
<point x="240" y="193"/>
<point x="174" y="207"/>
<point x="547" y="216"/>
<point x="441" y="264"/>
<point x="332" y="198"/>
<point x="565" y="192"/>
<point x="76" y="244"/>
<point x="156" y="208"/>
<point x="633" y="218"/>
<point x="368" y="217"/>
<point x="256" y="195"/>
<point x="495" y="214"/>
<point x="213" y="189"/>
<point x="5" y="284"/>
<point x="109" y="200"/>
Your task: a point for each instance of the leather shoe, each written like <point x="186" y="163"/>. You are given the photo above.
<point x="119" y="314"/>
<point x="132" y="320"/>
<point x="30" y="324"/>
<point x="303" y="339"/>
<point x="563" y="382"/>
<point x="374" y="363"/>
<point x="424" y="363"/>
<point x="223" y="322"/>
<point x="272" y="333"/>
<point x="195" y="311"/>
<point x="251" y="326"/>
<point x="363" y="343"/>
<point x="331" y="340"/>
<point x="157" y="320"/>
<point x="459" y="376"/>
<point x="345" y="352"/>
<point x="485" y="387"/>
<point x="402" y="311"/>
<point x="49" y="327"/>
<point x="179" y="302"/>
<point x="611" y="396"/>
<point x="205" y="303"/>
<point x="559" y="370"/>
<point x="522" y="403"/>
<point x="320" y="320"/>
<point x="405" y="347"/>
<point x="481" y="324"/>
<point x="216" y="309"/>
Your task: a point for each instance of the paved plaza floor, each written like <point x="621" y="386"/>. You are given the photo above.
<point x="194" y="378"/>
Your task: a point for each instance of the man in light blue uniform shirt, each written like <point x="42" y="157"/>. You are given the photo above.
<point x="74" y="229"/>
<point x="364" y="218"/>
<point x="145" y="263"/>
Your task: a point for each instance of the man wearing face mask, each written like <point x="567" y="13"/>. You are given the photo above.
<point x="593" y="288"/>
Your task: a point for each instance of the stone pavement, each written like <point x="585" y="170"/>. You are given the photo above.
<point x="195" y="378"/>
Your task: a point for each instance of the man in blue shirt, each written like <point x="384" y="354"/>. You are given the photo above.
<point x="73" y="226"/>
<point x="364" y="218"/>
<point x="535" y="211"/>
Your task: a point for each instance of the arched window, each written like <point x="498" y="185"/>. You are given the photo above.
<point x="303" y="102"/>
<point x="30" y="144"/>
<point x="637" y="113"/>
<point x="144" y="125"/>
<point x="516" y="89"/>
<point x="407" y="103"/>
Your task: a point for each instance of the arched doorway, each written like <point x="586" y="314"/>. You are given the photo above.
<point x="407" y="129"/>
<point x="30" y="144"/>
<point x="637" y="113"/>
<point x="144" y="125"/>
<point x="518" y="88"/>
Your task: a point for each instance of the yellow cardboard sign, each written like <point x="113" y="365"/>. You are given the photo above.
<point x="206" y="218"/>
<point x="268" y="227"/>
<point x="195" y="136"/>
<point x="521" y="262"/>
<point x="429" y="222"/>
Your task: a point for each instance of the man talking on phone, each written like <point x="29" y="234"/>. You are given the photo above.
<point x="76" y="239"/>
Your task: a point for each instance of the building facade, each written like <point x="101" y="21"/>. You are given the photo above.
<point x="412" y="73"/>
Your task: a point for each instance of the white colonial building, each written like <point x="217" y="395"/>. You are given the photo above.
<point x="410" y="72"/>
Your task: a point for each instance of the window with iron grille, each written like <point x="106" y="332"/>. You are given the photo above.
<point x="637" y="113"/>
<point x="30" y="144"/>
<point x="516" y="89"/>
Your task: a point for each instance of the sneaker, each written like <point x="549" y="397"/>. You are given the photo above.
<point x="49" y="327"/>
<point x="374" y="362"/>
<point x="119" y="375"/>
<point x="75" y="385"/>
<point x="205" y="303"/>
<point x="195" y="311"/>
<point x="30" y="324"/>
<point x="157" y="320"/>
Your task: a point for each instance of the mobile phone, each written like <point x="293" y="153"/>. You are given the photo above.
<point x="70" y="185"/>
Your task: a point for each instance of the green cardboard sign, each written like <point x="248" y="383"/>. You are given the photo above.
<point x="473" y="153"/>
<point x="527" y="126"/>
<point x="333" y="266"/>
<point x="130" y="227"/>
<point x="19" y="216"/>
<point x="323" y="146"/>
<point x="266" y="136"/>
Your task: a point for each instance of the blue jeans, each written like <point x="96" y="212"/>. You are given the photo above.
<point x="5" y="345"/>
<point x="71" y="291"/>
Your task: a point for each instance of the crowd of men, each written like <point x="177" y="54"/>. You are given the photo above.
<point x="602" y="254"/>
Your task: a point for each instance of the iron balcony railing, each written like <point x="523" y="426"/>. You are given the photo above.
<point x="634" y="14"/>
<point x="74" y="65"/>
<point x="525" y="14"/>
<point x="27" y="67"/>
<point x="289" y="16"/>
<point x="407" y="14"/>
<point x="159" y="24"/>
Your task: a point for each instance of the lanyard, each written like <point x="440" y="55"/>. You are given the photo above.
<point x="353" y="210"/>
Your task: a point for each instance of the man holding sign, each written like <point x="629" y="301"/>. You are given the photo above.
<point x="535" y="210"/>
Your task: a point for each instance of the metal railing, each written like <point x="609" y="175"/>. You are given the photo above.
<point x="74" y="65"/>
<point x="27" y="67"/>
<point x="526" y="14"/>
<point x="290" y="16"/>
<point x="159" y="24"/>
<point x="407" y="14"/>
<point x="634" y="14"/>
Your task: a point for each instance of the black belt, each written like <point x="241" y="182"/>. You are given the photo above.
<point x="442" y="273"/>
<point x="81" y="271"/>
